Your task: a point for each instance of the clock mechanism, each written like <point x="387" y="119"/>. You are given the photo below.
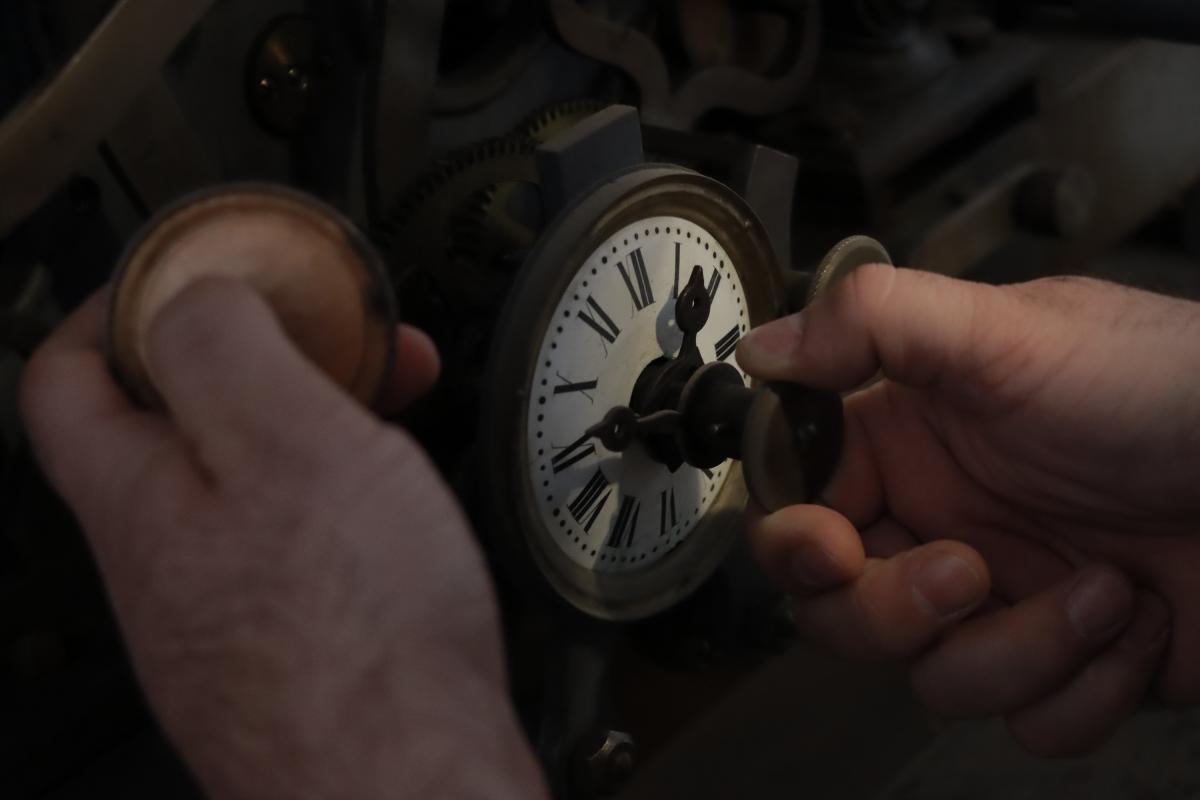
<point x="594" y="323"/>
<point x="586" y="271"/>
<point x="626" y="281"/>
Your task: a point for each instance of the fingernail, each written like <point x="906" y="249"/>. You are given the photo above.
<point x="949" y="586"/>
<point x="772" y="346"/>
<point x="1149" y="628"/>
<point x="815" y="568"/>
<point x="1099" y="605"/>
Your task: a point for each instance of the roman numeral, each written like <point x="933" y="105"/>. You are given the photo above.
<point x="728" y="343"/>
<point x="589" y="502"/>
<point x="607" y="329"/>
<point x="642" y="293"/>
<point x="567" y="387"/>
<point x="666" y="502"/>
<point x="675" y="290"/>
<point x="714" y="283"/>
<point x="573" y="454"/>
<point x="626" y="527"/>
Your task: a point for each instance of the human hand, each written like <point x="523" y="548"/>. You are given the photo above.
<point x="303" y="601"/>
<point x="1023" y="442"/>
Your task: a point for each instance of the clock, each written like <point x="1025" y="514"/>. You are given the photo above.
<point x="592" y="324"/>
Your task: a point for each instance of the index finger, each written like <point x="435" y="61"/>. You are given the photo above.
<point x="920" y="329"/>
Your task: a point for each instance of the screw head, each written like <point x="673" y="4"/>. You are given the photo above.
<point x="607" y="762"/>
<point x="290" y="77"/>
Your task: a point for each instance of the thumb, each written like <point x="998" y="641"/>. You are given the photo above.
<point x="237" y="386"/>
<point x="917" y="327"/>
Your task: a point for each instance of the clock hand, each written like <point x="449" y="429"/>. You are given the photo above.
<point x="622" y="426"/>
<point x="692" y="308"/>
<point x="788" y="437"/>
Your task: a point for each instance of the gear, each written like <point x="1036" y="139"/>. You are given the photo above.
<point x="453" y="299"/>
<point x="559" y="118"/>
<point x="453" y="243"/>
<point x="421" y="228"/>
<point x="505" y="218"/>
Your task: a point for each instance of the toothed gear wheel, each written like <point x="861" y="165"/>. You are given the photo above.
<point x="504" y="220"/>
<point x="559" y="118"/>
<point x="424" y="222"/>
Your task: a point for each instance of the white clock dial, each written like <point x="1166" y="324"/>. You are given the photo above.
<point x="619" y="512"/>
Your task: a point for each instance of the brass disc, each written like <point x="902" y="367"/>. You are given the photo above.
<point x="845" y="257"/>
<point x="311" y="265"/>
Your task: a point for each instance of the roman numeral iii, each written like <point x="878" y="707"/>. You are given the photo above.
<point x="728" y="343"/>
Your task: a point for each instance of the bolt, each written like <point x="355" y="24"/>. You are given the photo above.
<point x="1056" y="201"/>
<point x="266" y="86"/>
<point x="606" y="762"/>
<point x="298" y="79"/>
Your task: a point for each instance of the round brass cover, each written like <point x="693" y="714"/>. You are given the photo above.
<point x="311" y="265"/>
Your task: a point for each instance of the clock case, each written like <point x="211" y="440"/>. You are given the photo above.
<point x="719" y="608"/>
<point x="594" y="181"/>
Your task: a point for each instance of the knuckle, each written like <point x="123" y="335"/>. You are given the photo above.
<point x="871" y="632"/>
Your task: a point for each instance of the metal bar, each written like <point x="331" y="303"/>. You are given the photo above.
<point x="158" y="150"/>
<point x="400" y="96"/>
<point x="43" y="138"/>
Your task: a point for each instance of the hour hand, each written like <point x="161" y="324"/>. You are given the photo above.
<point x="692" y="308"/>
<point x="622" y="426"/>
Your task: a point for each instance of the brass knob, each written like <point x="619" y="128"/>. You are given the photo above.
<point x="315" y="270"/>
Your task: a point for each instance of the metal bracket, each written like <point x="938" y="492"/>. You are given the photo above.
<point x="606" y="143"/>
<point x="766" y="179"/>
<point x="43" y="139"/>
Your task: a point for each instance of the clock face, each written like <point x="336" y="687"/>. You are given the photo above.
<point x="622" y="512"/>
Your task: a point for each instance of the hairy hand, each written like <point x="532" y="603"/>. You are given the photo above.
<point x="1018" y="505"/>
<point x="302" y="598"/>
